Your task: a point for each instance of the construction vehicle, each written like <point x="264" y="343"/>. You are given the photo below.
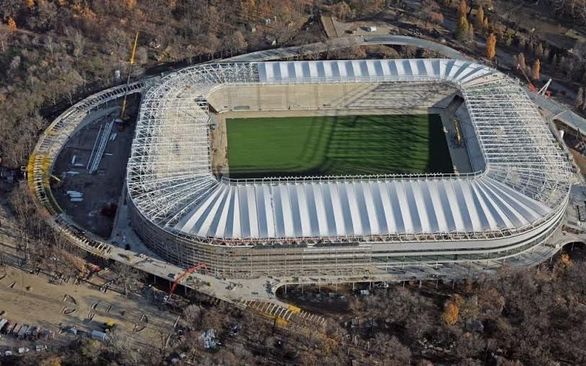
<point x="184" y="274"/>
<point x="109" y="326"/>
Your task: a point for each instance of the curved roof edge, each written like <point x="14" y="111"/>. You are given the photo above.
<point x="170" y="180"/>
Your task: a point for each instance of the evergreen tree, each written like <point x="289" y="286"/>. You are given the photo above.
<point x="462" y="29"/>
<point x="536" y="70"/>
<point x="579" y="98"/>
<point x="491" y="46"/>
<point x="521" y="61"/>
<point x="11" y="24"/>
<point x="479" y="20"/>
<point x="462" y="9"/>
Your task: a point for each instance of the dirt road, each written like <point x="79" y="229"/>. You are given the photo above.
<point x="31" y="299"/>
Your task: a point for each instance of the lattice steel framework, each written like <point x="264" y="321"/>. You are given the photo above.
<point x="525" y="182"/>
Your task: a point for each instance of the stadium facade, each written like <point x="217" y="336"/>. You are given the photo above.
<point x="512" y="199"/>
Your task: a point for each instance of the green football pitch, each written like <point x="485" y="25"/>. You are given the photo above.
<point x="336" y="145"/>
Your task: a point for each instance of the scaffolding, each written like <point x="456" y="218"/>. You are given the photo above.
<point x="182" y="208"/>
<point x="53" y="139"/>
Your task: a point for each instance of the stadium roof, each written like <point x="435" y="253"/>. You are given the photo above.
<point x="171" y="183"/>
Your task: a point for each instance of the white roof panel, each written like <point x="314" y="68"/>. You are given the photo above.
<point x="525" y="180"/>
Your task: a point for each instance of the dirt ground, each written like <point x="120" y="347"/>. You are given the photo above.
<point x="9" y="236"/>
<point x="33" y="300"/>
<point x="580" y="160"/>
<point x="99" y="191"/>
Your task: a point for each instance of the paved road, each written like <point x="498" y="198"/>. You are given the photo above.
<point x="415" y="42"/>
<point x="345" y="42"/>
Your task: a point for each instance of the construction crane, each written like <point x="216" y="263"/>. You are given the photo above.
<point x="184" y="274"/>
<point x="123" y="116"/>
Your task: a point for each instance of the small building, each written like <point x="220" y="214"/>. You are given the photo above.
<point x="100" y="336"/>
<point x="370" y="28"/>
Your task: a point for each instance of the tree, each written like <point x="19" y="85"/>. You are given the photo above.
<point x="451" y="313"/>
<point x="462" y="29"/>
<point x="130" y="4"/>
<point x="536" y="70"/>
<point x="14" y="64"/>
<point x="77" y="40"/>
<point x="508" y="39"/>
<point x="539" y="51"/>
<point x="462" y="9"/>
<point x="470" y="35"/>
<point x="572" y="9"/>
<point x="342" y="10"/>
<point x="128" y="278"/>
<point x="436" y="17"/>
<point x="248" y="10"/>
<point x="367" y="7"/>
<point x="491" y="46"/>
<point x="11" y="24"/>
<point x="142" y="56"/>
<point x="90" y="349"/>
<point x="236" y="42"/>
<point x="193" y="315"/>
<point x="479" y="20"/>
<point x="555" y="60"/>
<point x="51" y="361"/>
<point x="521" y="64"/>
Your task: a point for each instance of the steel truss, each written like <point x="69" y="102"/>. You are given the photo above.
<point x="169" y="173"/>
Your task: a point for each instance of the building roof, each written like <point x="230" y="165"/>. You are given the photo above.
<point x="171" y="183"/>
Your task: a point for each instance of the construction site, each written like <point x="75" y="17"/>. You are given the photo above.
<point x="292" y="183"/>
<point x="152" y="191"/>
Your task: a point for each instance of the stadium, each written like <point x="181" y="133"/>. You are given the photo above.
<point x="294" y="168"/>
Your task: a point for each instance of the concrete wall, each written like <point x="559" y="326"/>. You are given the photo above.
<point x="472" y="145"/>
<point x="261" y="97"/>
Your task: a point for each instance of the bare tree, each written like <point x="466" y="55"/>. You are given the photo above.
<point x="77" y="41"/>
<point x="579" y="98"/>
<point x="127" y="277"/>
